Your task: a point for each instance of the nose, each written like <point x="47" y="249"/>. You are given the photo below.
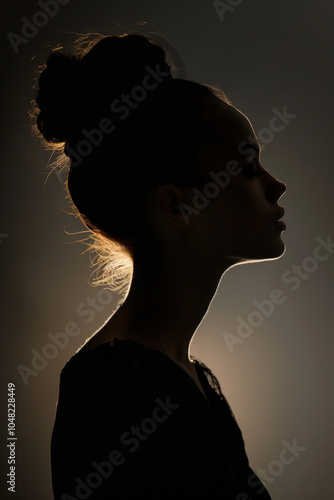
<point x="275" y="188"/>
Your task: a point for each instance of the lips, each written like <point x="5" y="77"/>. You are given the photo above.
<point x="280" y="215"/>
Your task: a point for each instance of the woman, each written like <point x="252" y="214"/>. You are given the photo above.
<point x="166" y="175"/>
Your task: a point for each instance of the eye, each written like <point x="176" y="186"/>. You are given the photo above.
<point x="253" y="169"/>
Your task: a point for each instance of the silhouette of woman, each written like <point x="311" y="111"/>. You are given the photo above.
<point x="166" y="175"/>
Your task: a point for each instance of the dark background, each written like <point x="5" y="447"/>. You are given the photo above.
<point x="279" y="381"/>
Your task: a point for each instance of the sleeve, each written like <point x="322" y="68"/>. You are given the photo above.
<point x="249" y="486"/>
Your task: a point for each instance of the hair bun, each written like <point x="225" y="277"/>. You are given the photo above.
<point x="58" y="84"/>
<point x="75" y="90"/>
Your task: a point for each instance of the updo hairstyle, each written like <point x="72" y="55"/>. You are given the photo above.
<point x="126" y="126"/>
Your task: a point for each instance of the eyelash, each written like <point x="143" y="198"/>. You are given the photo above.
<point x="250" y="171"/>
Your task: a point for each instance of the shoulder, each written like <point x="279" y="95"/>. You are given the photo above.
<point x="119" y="371"/>
<point x="207" y="373"/>
<point x="211" y="382"/>
<point x="108" y="389"/>
<point x="117" y="364"/>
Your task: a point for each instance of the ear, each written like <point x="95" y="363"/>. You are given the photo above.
<point x="169" y="200"/>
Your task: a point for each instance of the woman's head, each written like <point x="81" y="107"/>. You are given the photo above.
<point x="235" y="212"/>
<point x="129" y="129"/>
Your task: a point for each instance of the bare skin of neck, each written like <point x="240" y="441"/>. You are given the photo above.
<point x="163" y="309"/>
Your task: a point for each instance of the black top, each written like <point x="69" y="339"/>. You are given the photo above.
<point x="131" y="423"/>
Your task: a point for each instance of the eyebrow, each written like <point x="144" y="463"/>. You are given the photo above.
<point x="247" y="145"/>
<point x="253" y="145"/>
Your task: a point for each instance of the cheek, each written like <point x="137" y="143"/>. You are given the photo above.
<point x="217" y="223"/>
<point x="225" y="212"/>
<point x="245" y="200"/>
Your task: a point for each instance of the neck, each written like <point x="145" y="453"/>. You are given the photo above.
<point x="173" y="301"/>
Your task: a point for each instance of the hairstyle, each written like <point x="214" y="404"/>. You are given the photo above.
<point x="123" y="126"/>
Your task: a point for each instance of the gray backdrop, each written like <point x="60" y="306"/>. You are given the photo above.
<point x="277" y="371"/>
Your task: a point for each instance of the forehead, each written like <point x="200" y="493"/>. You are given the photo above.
<point x="230" y="127"/>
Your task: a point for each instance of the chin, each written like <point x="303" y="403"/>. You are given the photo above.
<point x="274" y="251"/>
<point x="268" y="251"/>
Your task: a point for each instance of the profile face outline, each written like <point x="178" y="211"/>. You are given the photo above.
<point x="239" y="223"/>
